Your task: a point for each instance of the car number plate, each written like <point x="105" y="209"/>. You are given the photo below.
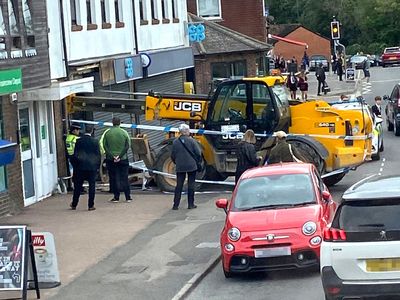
<point x="392" y="57"/>
<point x="383" y="264"/>
<point x="272" y="252"/>
<point x="230" y="128"/>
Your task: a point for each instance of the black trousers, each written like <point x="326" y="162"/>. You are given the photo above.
<point x="180" y="179"/>
<point x="320" y="84"/>
<point x="79" y="177"/>
<point x="118" y="175"/>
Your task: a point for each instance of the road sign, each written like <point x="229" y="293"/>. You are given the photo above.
<point x="350" y="74"/>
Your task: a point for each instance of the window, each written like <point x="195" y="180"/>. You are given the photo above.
<point x="3" y="177"/>
<point x="154" y="12"/>
<point x="13" y="17"/>
<point x="30" y="38"/>
<point x="164" y="11"/>
<point x="232" y="70"/>
<point x="90" y="15"/>
<point x="175" y="14"/>
<point x="209" y="8"/>
<point x="75" y="21"/>
<point x="263" y="108"/>
<point x="3" y="33"/>
<point x="143" y="12"/>
<point x="118" y="14"/>
<point x="104" y="15"/>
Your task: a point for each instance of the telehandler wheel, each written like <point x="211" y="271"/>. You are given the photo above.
<point x="213" y="175"/>
<point x="165" y="164"/>
<point x="310" y="154"/>
<point x="332" y="180"/>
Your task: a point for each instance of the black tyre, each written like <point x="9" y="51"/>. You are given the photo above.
<point x="377" y="156"/>
<point x="332" y="180"/>
<point x="227" y="274"/>
<point x="165" y="164"/>
<point x="214" y="175"/>
<point x="309" y="154"/>
<point x="383" y="66"/>
<point x="381" y="148"/>
<point x="396" y="126"/>
<point x="390" y="126"/>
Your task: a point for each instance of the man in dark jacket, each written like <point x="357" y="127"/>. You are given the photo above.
<point x="86" y="160"/>
<point x="283" y="151"/>
<point x="320" y="74"/>
<point x="377" y="107"/>
<point x="185" y="154"/>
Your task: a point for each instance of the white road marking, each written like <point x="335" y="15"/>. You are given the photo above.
<point x="386" y="80"/>
<point x="383" y="159"/>
<point x="208" y="245"/>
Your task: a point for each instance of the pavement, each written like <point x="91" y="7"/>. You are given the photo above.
<point x="127" y="245"/>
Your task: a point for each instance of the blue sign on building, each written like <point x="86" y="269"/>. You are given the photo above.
<point x="197" y="32"/>
<point x="129" y="67"/>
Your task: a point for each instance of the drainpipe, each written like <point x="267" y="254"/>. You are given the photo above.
<point x="64" y="39"/>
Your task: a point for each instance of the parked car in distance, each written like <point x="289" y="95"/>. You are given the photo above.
<point x="315" y="60"/>
<point x="376" y="122"/>
<point x="392" y="110"/>
<point x="275" y="219"/>
<point x="360" y="253"/>
<point x="391" y="56"/>
<point x="357" y="61"/>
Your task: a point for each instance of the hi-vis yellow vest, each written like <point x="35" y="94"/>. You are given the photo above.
<point x="70" y="142"/>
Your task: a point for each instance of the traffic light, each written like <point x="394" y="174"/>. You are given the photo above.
<point x="335" y="30"/>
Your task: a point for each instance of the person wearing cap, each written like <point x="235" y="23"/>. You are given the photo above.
<point x="87" y="160"/>
<point x="283" y="151"/>
<point x="246" y="154"/>
<point x="70" y="141"/>
<point x="185" y="154"/>
<point x="116" y="143"/>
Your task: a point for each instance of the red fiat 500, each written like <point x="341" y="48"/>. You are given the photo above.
<point x="275" y="219"/>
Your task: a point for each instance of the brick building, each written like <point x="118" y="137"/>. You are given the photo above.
<point x="247" y="19"/>
<point x="317" y="44"/>
<point x="225" y="54"/>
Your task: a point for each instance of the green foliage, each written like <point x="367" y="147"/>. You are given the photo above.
<point x="366" y="25"/>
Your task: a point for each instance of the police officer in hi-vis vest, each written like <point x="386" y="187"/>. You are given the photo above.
<point x="70" y="142"/>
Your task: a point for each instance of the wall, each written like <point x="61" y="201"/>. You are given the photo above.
<point x="247" y="19"/>
<point x="14" y="170"/>
<point x="83" y="44"/>
<point x="153" y="36"/>
<point x="316" y="45"/>
<point x="203" y="67"/>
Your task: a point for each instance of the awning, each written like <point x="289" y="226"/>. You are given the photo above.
<point x="275" y="37"/>
<point x="59" y="90"/>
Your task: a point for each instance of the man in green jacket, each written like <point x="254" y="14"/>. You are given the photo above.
<point x="116" y="143"/>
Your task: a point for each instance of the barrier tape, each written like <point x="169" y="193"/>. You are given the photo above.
<point x="139" y="165"/>
<point x="214" y="132"/>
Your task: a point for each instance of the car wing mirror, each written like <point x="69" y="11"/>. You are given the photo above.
<point x="326" y="195"/>
<point x="385" y="97"/>
<point x="222" y="203"/>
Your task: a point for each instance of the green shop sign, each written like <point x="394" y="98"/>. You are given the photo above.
<point x="10" y="81"/>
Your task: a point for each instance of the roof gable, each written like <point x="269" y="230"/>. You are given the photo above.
<point x="284" y="30"/>
<point x="220" y="39"/>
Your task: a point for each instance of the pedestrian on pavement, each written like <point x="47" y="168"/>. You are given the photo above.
<point x="87" y="161"/>
<point x="305" y="61"/>
<point x="103" y="152"/>
<point x="70" y="141"/>
<point x="303" y="85"/>
<point x="283" y="151"/>
<point x="340" y="64"/>
<point x="186" y="155"/>
<point x="246" y="154"/>
<point x="320" y="74"/>
<point x="116" y="143"/>
<point x="334" y="61"/>
<point x="282" y="64"/>
<point x="366" y="66"/>
<point x="377" y="107"/>
<point x="291" y="83"/>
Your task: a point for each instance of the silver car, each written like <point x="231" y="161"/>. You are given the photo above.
<point x="315" y="60"/>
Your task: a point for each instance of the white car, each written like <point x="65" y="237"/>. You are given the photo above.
<point x="377" y="132"/>
<point x="360" y="252"/>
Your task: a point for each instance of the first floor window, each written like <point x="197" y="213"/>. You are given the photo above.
<point x="73" y="12"/>
<point x="3" y="177"/>
<point x="209" y="8"/>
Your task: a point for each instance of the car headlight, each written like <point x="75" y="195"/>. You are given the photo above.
<point x="309" y="228"/>
<point x="234" y="234"/>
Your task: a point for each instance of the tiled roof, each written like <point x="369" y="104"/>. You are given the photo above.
<point x="282" y="29"/>
<point x="220" y="39"/>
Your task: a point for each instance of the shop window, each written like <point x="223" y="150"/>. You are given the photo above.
<point x="175" y="14"/>
<point x="75" y="21"/>
<point x="143" y="12"/>
<point x="154" y="12"/>
<point x="104" y="15"/>
<point x="209" y="9"/>
<point x="164" y="11"/>
<point x="118" y="14"/>
<point x="3" y="34"/>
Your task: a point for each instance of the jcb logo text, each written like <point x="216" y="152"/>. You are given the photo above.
<point x="187" y="106"/>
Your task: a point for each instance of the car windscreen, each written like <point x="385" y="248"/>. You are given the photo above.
<point x="318" y="57"/>
<point x="370" y="214"/>
<point x="288" y="189"/>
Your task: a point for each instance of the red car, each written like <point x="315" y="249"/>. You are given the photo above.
<point x="275" y="219"/>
